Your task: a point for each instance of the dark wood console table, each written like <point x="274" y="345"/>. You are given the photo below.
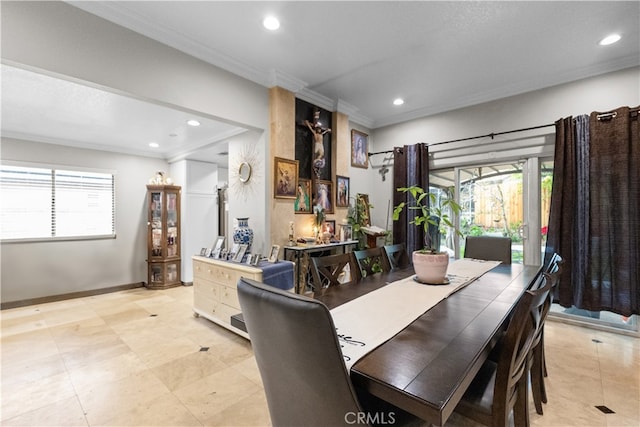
<point x="301" y="253"/>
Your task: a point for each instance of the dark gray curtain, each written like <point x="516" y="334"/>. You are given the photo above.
<point x="594" y="220"/>
<point x="410" y="167"/>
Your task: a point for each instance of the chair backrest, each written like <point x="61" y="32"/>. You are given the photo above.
<point x="397" y="256"/>
<point x="330" y="270"/>
<point x="298" y="355"/>
<point x="488" y="248"/>
<point x="517" y="343"/>
<point x="372" y="261"/>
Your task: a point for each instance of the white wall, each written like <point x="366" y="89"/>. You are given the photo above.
<point x="199" y="209"/>
<point x="60" y="40"/>
<point x="601" y="93"/>
<point x="37" y="269"/>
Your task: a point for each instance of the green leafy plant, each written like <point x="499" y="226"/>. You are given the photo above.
<point x="357" y="217"/>
<point x="432" y="213"/>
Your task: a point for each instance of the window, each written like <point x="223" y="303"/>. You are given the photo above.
<point x="49" y="203"/>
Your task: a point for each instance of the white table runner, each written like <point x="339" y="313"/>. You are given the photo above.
<point x="366" y="322"/>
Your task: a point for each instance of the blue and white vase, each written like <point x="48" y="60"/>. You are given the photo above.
<point x="243" y="234"/>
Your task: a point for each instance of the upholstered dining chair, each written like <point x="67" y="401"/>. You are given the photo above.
<point x="397" y="256"/>
<point x="299" y="358"/>
<point x="502" y="386"/>
<point x="372" y="261"/>
<point x="332" y="270"/>
<point x="488" y="248"/>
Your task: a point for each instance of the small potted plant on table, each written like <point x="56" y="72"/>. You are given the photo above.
<point x="429" y="263"/>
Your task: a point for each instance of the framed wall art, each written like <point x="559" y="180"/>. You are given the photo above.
<point x="324" y="195"/>
<point x="359" y="149"/>
<point x="302" y="204"/>
<point x="363" y="199"/>
<point x="285" y="178"/>
<point x="342" y="191"/>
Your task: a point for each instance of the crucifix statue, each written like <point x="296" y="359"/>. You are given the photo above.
<point x="318" y="133"/>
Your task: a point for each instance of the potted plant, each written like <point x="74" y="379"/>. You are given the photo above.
<point x="357" y="218"/>
<point x="432" y="213"/>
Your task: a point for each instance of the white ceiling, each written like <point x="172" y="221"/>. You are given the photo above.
<point x="357" y="56"/>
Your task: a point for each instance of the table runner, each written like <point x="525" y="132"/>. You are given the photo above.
<point x="368" y="321"/>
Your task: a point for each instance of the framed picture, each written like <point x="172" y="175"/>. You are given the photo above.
<point x="273" y="253"/>
<point x="359" y="149"/>
<point x="233" y="251"/>
<point x="302" y="204"/>
<point x="285" y="178"/>
<point x="364" y="199"/>
<point x="324" y="195"/>
<point x="203" y="251"/>
<point x="240" y="254"/>
<point x="217" y="247"/>
<point x="255" y="259"/>
<point x="346" y="232"/>
<point x="342" y="191"/>
<point x="330" y="226"/>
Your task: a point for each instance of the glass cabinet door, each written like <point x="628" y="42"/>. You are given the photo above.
<point x="155" y="213"/>
<point x="172" y="225"/>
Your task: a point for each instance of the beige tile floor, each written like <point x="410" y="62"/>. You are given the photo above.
<point x="136" y="358"/>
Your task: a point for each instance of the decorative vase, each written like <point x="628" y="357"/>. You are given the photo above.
<point x="243" y="234"/>
<point x="431" y="268"/>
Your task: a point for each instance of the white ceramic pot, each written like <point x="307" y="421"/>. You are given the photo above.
<point x="430" y="268"/>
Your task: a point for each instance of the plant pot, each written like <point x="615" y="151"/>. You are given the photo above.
<point x="429" y="267"/>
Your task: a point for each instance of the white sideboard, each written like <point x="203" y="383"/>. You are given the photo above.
<point x="214" y="289"/>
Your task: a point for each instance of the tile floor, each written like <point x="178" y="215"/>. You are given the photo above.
<point x="140" y="358"/>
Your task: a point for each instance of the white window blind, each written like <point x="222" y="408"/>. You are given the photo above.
<point x="42" y="203"/>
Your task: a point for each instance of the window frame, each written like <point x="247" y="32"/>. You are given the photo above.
<point x="72" y="168"/>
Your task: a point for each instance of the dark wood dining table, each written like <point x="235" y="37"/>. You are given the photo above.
<point x="426" y="368"/>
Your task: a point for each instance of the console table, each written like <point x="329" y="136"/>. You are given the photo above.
<point x="301" y="253"/>
<point x="214" y="286"/>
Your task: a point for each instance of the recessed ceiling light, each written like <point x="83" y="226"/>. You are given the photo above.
<point x="154" y="145"/>
<point x="193" y="122"/>
<point x="271" y="23"/>
<point x="398" y="101"/>
<point x="611" y="39"/>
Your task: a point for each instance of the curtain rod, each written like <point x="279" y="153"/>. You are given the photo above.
<point x="491" y="135"/>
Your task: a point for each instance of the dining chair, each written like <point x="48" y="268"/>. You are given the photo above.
<point x="538" y="363"/>
<point x="501" y="386"/>
<point x="397" y="256"/>
<point x="298" y="354"/>
<point x="371" y="261"/>
<point x="488" y="248"/>
<point x="332" y="270"/>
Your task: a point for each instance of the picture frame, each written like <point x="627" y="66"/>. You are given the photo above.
<point x="255" y="259"/>
<point x="285" y="178"/>
<point x="273" y="253"/>
<point x="330" y="226"/>
<point x="323" y="195"/>
<point x="342" y="191"/>
<point x="242" y="249"/>
<point x="203" y="251"/>
<point x="364" y="199"/>
<point x="233" y="251"/>
<point x="302" y="203"/>
<point x="217" y="246"/>
<point x="359" y="149"/>
<point x="346" y="232"/>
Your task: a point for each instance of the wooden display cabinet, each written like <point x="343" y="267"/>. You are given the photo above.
<point x="163" y="236"/>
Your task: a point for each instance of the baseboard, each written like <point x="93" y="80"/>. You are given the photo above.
<point x="72" y="295"/>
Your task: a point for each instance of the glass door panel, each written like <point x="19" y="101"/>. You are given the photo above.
<point x="491" y="198"/>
